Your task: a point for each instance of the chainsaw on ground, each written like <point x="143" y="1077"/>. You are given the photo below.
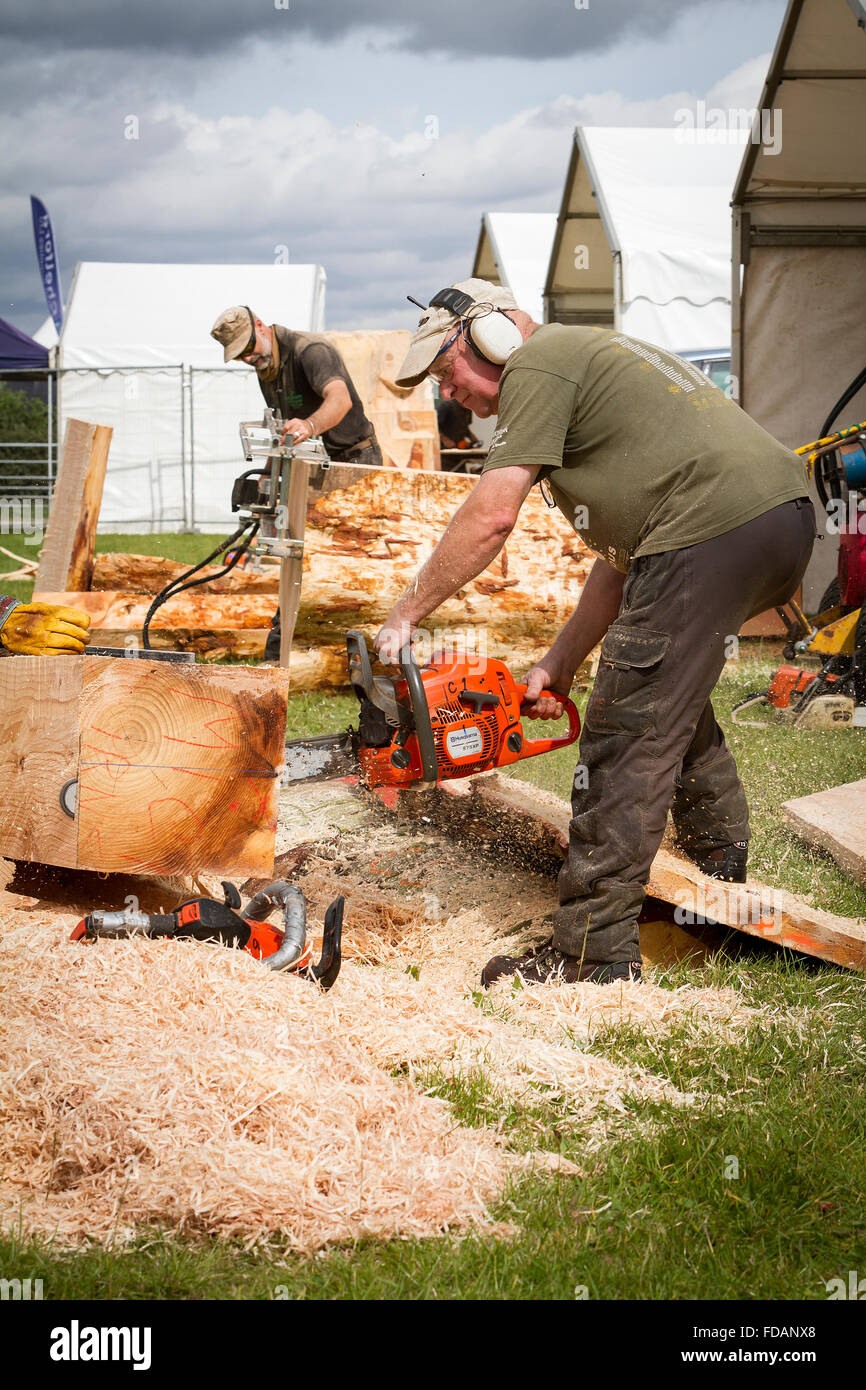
<point x="439" y="721"/>
<point x="206" y="919"/>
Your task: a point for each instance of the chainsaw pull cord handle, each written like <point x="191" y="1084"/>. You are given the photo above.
<point x="421" y="714"/>
<point x="531" y="746"/>
<point x="289" y="897"/>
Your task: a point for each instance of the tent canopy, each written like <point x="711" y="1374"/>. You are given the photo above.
<point x="158" y="315"/>
<point x="799" y="237"/>
<point x="643" y="234"/>
<point x="514" y="250"/>
<point x="18" y="351"/>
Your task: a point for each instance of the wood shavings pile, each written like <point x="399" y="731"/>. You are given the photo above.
<point x="178" y="1085"/>
<point x="183" y="1086"/>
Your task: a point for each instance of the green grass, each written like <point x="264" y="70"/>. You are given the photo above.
<point x="187" y="548"/>
<point x="655" y="1213"/>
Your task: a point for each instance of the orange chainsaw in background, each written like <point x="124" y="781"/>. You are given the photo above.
<point x="442" y="720"/>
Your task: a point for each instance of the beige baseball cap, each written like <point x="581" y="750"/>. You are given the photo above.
<point x="437" y="325"/>
<point x="234" y="328"/>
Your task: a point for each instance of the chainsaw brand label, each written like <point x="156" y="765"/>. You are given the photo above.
<point x="464" y="743"/>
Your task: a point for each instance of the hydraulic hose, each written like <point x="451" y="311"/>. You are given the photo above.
<point x="289" y="897"/>
<point x="183" y="581"/>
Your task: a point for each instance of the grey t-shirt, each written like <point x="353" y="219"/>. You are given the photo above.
<point x="307" y="364"/>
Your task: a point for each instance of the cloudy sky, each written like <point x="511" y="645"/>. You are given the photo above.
<point x="366" y="135"/>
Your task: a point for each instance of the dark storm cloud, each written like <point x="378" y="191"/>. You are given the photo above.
<point x="485" y="28"/>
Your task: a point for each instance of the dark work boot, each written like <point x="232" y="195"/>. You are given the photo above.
<point x="727" y="862"/>
<point x="545" y="965"/>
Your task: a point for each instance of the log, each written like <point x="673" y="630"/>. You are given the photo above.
<point x="541" y="821"/>
<point x="192" y="609"/>
<point x="177" y="766"/>
<point x="149" y="574"/>
<point x="363" y="543"/>
<point x="834" y="821"/>
<point x="66" y="561"/>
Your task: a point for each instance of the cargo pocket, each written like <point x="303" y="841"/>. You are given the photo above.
<point x="626" y="686"/>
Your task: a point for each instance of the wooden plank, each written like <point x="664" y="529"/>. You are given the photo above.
<point x="39" y="752"/>
<point x="834" y="821"/>
<point x="179" y="767"/>
<point x="67" y="555"/>
<point x="542" y="820"/>
<point x="80" y="572"/>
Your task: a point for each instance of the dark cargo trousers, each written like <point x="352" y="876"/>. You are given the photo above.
<point x="650" y="741"/>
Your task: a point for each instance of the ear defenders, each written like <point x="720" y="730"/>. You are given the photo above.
<point x="489" y="331"/>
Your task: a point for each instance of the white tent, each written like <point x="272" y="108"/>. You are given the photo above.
<point x="136" y="353"/>
<point x="799" y="232"/>
<point x="514" y="250"/>
<point x="643" y="235"/>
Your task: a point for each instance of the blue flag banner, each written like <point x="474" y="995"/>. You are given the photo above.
<point x="47" y="258"/>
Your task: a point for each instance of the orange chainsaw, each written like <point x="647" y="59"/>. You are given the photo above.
<point x="206" y="919"/>
<point x="439" y="721"/>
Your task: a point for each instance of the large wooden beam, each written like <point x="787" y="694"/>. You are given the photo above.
<point x="541" y="822"/>
<point x="177" y="766"/>
<point x="66" y="561"/>
<point x="39" y="698"/>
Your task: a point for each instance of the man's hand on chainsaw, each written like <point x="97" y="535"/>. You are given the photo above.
<point x="45" y="629"/>
<point x="391" y="639"/>
<point x="546" y="675"/>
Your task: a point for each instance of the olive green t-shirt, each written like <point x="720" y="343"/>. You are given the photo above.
<point x="641" y="451"/>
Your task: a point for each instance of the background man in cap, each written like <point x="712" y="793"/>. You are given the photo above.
<point x="699" y="519"/>
<point x="304" y="379"/>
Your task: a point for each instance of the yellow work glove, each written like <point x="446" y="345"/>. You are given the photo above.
<point x="45" y="629"/>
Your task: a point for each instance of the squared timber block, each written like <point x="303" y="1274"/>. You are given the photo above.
<point x="178" y="767"/>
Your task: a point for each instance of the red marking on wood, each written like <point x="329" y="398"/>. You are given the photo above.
<point x="159" y="800"/>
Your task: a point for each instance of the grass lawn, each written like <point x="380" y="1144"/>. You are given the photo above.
<point x="754" y="1192"/>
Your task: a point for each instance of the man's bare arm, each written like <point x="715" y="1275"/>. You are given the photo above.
<point x="475" y="535"/>
<point x="336" y="404"/>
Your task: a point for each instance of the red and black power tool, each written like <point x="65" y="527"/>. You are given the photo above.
<point x="446" y="719"/>
<point x="205" y="919"/>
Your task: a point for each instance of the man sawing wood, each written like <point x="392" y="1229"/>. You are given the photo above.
<point x="699" y="520"/>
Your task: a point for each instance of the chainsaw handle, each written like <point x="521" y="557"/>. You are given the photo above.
<point x="420" y="714"/>
<point x="531" y="746"/>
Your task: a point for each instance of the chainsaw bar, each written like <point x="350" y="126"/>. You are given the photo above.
<point x="319" y="759"/>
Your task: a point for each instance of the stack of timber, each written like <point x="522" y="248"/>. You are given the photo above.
<point x="177" y="766"/>
<point x="364" y="540"/>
